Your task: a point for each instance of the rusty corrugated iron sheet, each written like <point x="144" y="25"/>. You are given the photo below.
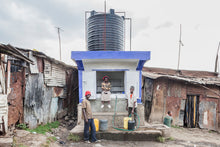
<point x="58" y="92"/>
<point x="72" y="98"/>
<point x="173" y="104"/>
<point x="37" y="102"/>
<point x="208" y="117"/>
<point x="14" y="52"/>
<point x="186" y="73"/>
<point x="15" y="98"/>
<point x="193" y="80"/>
<point x="40" y="65"/>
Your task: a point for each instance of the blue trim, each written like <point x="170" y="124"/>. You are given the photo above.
<point x="80" y="86"/>
<point x="140" y="87"/>
<point x="79" y="64"/>
<point x="140" y="64"/>
<point x="110" y="69"/>
<point x="80" y="55"/>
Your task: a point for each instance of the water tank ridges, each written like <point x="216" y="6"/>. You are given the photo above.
<point x="108" y="28"/>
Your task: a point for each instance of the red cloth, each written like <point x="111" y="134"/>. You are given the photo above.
<point x="87" y="93"/>
<point x="105" y="77"/>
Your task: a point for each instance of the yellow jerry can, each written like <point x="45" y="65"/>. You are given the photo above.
<point x="96" y="122"/>
<point x="126" y="119"/>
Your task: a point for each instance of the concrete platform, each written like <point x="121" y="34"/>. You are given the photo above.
<point x="109" y="116"/>
<point x="141" y="134"/>
<point x="6" y="141"/>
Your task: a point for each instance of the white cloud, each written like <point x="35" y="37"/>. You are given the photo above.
<point x="31" y="24"/>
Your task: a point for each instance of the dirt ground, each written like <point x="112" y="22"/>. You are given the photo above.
<point x="180" y="137"/>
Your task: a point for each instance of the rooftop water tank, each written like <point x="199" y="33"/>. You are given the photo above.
<point x="105" y="31"/>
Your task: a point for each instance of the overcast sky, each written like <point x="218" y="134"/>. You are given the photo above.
<point x="31" y="24"/>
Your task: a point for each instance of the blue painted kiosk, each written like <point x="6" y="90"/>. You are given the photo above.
<point x="123" y="67"/>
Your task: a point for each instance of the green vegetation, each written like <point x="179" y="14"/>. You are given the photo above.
<point x="170" y="139"/>
<point x="21" y="145"/>
<point x="52" y="138"/>
<point x="161" y="139"/>
<point x="49" y="140"/>
<point x="211" y="131"/>
<point x="74" y="138"/>
<point x="175" y="126"/>
<point x="22" y="126"/>
<point x="42" y="129"/>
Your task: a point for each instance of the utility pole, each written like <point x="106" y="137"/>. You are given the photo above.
<point x="58" y="31"/>
<point x="216" y="60"/>
<point x="180" y="44"/>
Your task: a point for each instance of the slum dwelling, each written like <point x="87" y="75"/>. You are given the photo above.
<point x="192" y="96"/>
<point x="35" y="88"/>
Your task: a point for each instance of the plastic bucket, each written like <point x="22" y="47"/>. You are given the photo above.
<point x="131" y="124"/>
<point x="103" y="125"/>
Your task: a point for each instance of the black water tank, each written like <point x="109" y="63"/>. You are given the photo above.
<point x="105" y="29"/>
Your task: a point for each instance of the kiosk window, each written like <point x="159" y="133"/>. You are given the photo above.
<point x="116" y="80"/>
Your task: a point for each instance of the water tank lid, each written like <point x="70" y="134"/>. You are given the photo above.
<point x="93" y="12"/>
<point x="112" y="11"/>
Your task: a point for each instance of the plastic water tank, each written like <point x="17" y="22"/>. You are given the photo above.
<point x="105" y="31"/>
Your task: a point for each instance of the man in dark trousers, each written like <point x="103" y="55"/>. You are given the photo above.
<point x="88" y="119"/>
<point x="132" y="103"/>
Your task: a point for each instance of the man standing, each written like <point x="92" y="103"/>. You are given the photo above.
<point x="88" y="119"/>
<point x="132" y="103"/>
<point x="168" y="119"/>
<point x="106" y="94"/>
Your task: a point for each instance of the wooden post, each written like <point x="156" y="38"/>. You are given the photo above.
<point x="8" y="76"/>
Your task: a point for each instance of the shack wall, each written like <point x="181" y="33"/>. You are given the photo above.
<point x="50" y="94"/>
<point x="170" y="95"/>
<point x="16" y="97"/>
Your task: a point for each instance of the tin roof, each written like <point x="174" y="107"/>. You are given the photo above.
<point x="195" y="77"/>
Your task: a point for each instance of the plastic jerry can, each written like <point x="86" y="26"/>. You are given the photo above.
<point x="96" y="122"/>
<point x="126" y="119"/>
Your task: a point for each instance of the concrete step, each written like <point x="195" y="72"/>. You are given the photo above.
<point x="6" y="142"/>
<point x="119" y="117"/>
<point x="109" y="113"/>
<point x="141" y="134"/>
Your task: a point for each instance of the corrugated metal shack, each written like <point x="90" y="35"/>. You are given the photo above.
<point x="192" y="96"/>
<point x="41" y="92"/>
<point x="11" y="89"/>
